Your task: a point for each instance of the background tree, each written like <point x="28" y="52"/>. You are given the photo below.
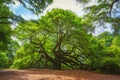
<point x="7" y="18"/>
<point x="103" y="54"/>
<point x="5" y="34"/>
<point x="36" y="6"/>
<point x="104" y="11"/>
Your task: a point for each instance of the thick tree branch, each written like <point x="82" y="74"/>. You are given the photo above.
<point x="111" y="6"/>
<point x="42" y="50"/>
<point x="72" y="62"/>
<point x="71" y="66"/>
<point x="45" y="53"/>
<point x="58" y="43"/>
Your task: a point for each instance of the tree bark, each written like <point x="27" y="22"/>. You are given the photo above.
<point x="57" y="63"/>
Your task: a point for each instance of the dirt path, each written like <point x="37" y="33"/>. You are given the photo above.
<point x="38" y="74"/>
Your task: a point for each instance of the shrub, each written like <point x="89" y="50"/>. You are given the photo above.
<point x="110" y="66"/>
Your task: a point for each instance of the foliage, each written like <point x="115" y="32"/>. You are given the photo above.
<point x="5" y="35"/>
<point x="5" y="30"/>
<point x="36" y="6"/>
<point x="26" y="58"/>
<point x="3" y="60"/>
<point x="101" y="57"/>
<point x="110" y="65"/>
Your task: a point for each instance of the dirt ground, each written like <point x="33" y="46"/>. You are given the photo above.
<point x="44" y="74"/>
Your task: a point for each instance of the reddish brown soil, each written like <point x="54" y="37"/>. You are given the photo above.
<point x="44" y="74"/>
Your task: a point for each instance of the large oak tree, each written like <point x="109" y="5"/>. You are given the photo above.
<point x="59" y="38"/>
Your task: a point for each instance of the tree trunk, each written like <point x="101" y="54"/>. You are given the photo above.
<point x="57" y="63"/>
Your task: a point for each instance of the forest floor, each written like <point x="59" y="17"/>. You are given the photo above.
<point x="45" y="74"/>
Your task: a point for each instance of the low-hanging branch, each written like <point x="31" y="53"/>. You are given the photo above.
<point x="72" y="62"/>
<point x="68" y="65"/>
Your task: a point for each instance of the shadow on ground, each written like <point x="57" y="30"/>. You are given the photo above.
<point x="45" y="74"/>
<point x="12" y="75"/>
